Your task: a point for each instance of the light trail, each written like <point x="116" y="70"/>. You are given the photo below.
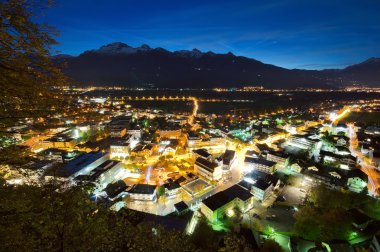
<point x="374" y="183"/>
<point x="195" y="110"/>
<point x="341" y="115"/>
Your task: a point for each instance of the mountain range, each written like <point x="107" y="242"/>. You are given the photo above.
<point x="122" y="65"/>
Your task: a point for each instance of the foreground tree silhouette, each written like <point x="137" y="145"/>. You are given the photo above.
<point x="55" y="217"/>
<point x="26" y="69"/>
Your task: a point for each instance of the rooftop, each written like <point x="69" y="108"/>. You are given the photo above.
<point x="143" y="189"/>
<point x="204" y="163"/>
<point x="82" y="161"/>
<point x="222" y="198"/>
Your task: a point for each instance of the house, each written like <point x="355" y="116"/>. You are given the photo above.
<point x="278" y="157"/>
<point x="341" y="140"/>
<point x="59" y="141"/>
<point x="115" y="189"/>
<point x="302" y="141"/>
<point x="180" y="207"/>
<point x="117" y="127"/>
<point x="356" y="180"/>
<point x="135" y="132"/>
<point x="193" y="139"/>
<point x="143" y="192"/>
<point x="226" y="159"/>
<point x="172" y="189"/>
<point x="207" y="169"/>
<point x="260" y="184"/>
<point x="170" y="149"/>
<point x="340" y="129"/>
<point x="103" y="174"/>
<point x="203" y="153"/>
<point x="259" y="164"/>
<point x="296" y="166"/>
<point x="252" y="154"/>
<point x="142" y="150"/>
<point x="343" y="160"/>
<point x="225" y="203"/>
<point x="120" y="149"/>
<point x="261" y="189"/>
<point x="330" y="176"/>
<point x="59" y="155"/>
<point x="170" y="132"/>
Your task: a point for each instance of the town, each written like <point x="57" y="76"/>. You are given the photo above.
<point x="229" y="169"/>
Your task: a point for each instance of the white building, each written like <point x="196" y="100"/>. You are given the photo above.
<point x="143" y="192"/>
<point x="207" y="169"/>
<point x="259" y="164"/>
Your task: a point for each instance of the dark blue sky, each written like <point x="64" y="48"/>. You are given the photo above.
<point x="310" y="34"/>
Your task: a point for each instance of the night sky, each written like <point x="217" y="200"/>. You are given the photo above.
<point x="310" y="34"/>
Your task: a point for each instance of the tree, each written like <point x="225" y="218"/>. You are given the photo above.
<point x="271" y="246"/>
<point x="55" y="217"/>
<point x="307" y="223"/>
<point x="160" y="191"/>
<point x="26" y="69"/>
<point x="233" y="243"/>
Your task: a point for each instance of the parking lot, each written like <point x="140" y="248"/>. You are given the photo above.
<point x="279" y="217"/>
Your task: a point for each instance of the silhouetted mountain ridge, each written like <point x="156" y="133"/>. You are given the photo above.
<point x="121" y="64"/>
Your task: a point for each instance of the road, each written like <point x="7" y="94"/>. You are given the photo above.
<point x="370" y="170"/>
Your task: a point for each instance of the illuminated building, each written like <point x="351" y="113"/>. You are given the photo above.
<point x="226" y="202"/>
<point x="260" y="184"/>
<point x="340" y="128"/>
<point x="302" y="141"/>
<point x="226" y="159"/>
<point x="259" y="164"/>
<point x="203" y="153"/>
<point x="120" y="149"/>
<point x="170" y="132"/>
<point x="115" y="189"/>
<point x="143" y="192"/>
<point x="83" y="164"/>
<point x="118" y="126"/>
<point x="172" y="189"/>
<point x="103" y="174"/>
<point x="207" y="169"/>
<point x="344" y="160"/>
<point x="278" y="157"/>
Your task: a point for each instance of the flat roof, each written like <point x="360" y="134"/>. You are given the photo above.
<point x="105" y="166"/>
<point x="261" y="184"/>
<point x="115" y="189"/>
<point x="180" y="206"/>
<point x="82" y="161"/>
<point x="224" y="197"/>
<point x="259" y="161"/>
<point x="172" y="186"/>
<point x="202" y="152"/>
<point x="143" y="189"/>
<point x="210" y="166"/>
